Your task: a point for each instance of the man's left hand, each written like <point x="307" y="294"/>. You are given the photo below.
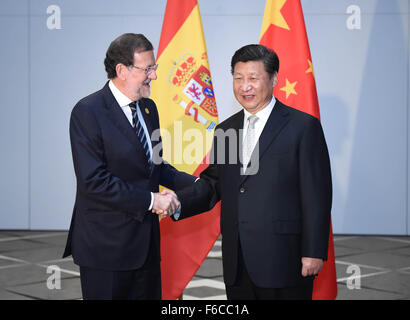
<point x="311" y="266"/>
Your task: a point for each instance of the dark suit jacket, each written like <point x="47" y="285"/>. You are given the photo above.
<point x="111" y="228"/>
<point x="281" y="213"/>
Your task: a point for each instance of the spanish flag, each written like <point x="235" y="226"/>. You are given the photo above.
<point x="283" y="30"/>
<point x="188" y="115"/>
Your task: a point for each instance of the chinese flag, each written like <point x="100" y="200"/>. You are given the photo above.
<point x="283" y="30"/>
<point x="185" y="98"/>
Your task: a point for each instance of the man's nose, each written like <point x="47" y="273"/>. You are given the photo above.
<point x="153" y="75"/>
<point x="245" y="86"/>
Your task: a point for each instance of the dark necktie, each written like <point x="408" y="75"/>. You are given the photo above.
<point x="139" y="130"/>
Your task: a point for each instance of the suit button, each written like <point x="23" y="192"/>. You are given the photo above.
<point x="242" y="190"/>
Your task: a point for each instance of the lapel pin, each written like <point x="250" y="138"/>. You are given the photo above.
<point x="146" y="111"/>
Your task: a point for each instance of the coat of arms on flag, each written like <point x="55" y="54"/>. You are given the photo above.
<point x="193" y="84"/>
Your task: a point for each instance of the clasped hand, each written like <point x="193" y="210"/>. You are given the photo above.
<point x="165" y="204"/>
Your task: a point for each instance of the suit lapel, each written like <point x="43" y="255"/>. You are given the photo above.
<point x="117" y="116"/>
<point x="235" y="168"/>
<point x="277" y="120"/>
<point x="147" y="115"/>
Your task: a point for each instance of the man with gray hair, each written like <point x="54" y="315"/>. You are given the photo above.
<point x="114" y="237"/>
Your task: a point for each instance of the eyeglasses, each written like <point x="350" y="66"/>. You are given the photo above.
<point x="147" y="70"/>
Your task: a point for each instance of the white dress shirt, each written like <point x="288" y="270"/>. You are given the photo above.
<point x="124" y="102"/>
<point x="263" y="116"/>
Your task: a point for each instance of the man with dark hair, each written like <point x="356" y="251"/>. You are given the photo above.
<point x="114" y="237"/>
<point x="256" y="52"/>
<point x="122" y="49"/>
<point x="274" y="220"/>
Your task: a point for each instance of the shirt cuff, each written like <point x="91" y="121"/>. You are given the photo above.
<point x="152" y="202"/>
<point x="177" y="213"/>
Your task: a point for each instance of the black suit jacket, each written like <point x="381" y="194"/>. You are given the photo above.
<point x="111" y="228"/>
<point x="281" y="213"/>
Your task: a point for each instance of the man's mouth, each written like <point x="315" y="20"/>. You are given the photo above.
<point x="146" y="83"/>
<point x="248" y="97"/>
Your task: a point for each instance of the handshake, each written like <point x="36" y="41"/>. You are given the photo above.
<point x="165" y="204"/>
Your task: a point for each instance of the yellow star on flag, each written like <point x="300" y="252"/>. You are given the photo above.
<point x="274" y="16"/>
<point x="310" y="69"/>
<point x="289" y="88"/>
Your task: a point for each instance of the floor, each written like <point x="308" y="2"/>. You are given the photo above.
<point x="368" y="267"/>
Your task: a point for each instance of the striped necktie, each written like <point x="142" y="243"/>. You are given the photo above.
<point x="139" y="130"/>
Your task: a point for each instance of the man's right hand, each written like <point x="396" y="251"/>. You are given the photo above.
<point x="165" y="203"/>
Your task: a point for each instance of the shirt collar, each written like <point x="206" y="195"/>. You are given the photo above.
<point x="263" y="114"/>
<point x="121" y="98"/>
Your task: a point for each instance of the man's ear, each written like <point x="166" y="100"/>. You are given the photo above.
<point x="275" y="79"/>
<point x="121" y="71"/>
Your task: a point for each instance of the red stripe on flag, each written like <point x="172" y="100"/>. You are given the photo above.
<point x="175" y="16"/>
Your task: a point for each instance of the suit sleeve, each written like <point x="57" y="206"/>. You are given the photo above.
<point x="204" y="194"/>
<point x="316" y="191"/>
<point x="93" y="178"/>
<point x="174" y="179"/>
